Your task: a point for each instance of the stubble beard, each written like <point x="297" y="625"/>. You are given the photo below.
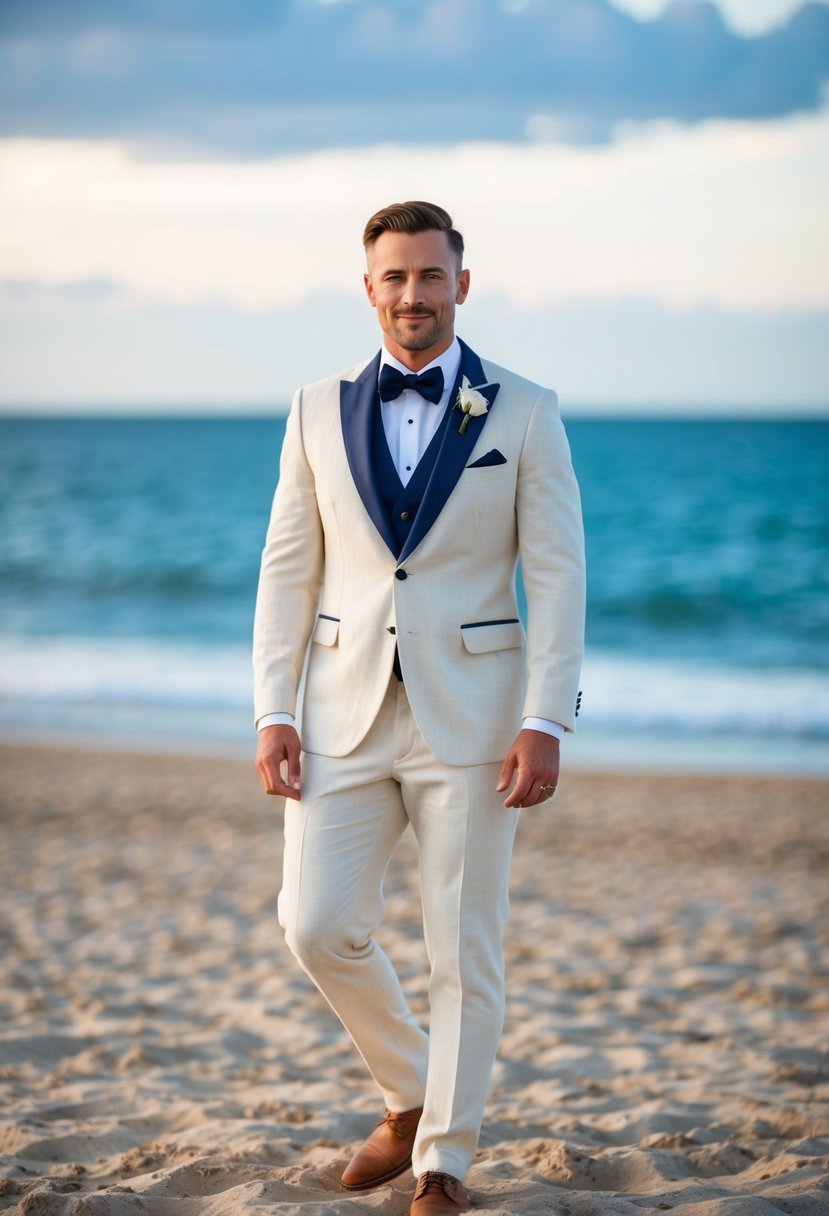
<point x="417" y="341"/>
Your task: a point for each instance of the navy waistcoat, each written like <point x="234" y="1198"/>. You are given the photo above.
<point x="401" y="503"/>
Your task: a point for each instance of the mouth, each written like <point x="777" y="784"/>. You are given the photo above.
<point x="413" y="316"/>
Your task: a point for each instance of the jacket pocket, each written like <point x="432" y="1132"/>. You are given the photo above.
<point x="483" y="636"/>
<point x="326" y="630"/>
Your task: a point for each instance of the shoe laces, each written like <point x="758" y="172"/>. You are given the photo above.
<point x="399" y="1123"/>
<point x="435" y="1180"/>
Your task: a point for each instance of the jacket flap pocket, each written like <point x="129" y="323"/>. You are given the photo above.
<point x="492" y="635"/>
<point x="325" y="631"/>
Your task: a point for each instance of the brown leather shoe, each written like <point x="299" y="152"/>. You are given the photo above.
<point x="439" y="1194"/>
<point x="386" y="1153"/>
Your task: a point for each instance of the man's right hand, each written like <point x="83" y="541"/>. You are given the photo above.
<point x="278" y="746"/>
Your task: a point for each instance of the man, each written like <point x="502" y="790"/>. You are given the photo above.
<point x="408" y="488"/>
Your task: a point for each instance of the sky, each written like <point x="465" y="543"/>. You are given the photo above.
<point x="643" y="187"/>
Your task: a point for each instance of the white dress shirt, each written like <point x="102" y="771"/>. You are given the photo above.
<point x="410" y="423"/>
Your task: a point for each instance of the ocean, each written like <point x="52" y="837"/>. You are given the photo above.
<point x="129" y="552"/>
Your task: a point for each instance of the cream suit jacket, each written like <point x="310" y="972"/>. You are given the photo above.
<point x="334" y="595"/>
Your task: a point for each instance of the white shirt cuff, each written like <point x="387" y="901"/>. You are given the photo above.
<point x="275" y="720"/>
<point x="541" y="724"/>
<point x="545" y="726"/>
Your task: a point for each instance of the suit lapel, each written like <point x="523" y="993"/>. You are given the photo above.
<point x="358" y="401"/>
<point x="455" y="450"/>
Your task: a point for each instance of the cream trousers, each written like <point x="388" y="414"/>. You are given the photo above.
<point x="338" y="841"/>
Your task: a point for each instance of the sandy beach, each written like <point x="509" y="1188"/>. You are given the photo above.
<point x="667" y="1036"/>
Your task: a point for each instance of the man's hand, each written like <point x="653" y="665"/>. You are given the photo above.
<point x="279" y="745"/>
<point x="533" y="761"/>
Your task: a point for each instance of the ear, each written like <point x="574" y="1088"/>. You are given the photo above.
<point x="463" y="287"/>
<point x="369" y="290"/>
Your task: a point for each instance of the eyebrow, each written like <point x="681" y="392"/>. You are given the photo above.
<point x="424" y="270"/>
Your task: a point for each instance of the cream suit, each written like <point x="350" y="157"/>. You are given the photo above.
<point x="336" y="596"/>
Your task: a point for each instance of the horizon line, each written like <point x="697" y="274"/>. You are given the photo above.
<point x="228" y="411"/>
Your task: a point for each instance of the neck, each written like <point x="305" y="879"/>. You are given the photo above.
<point x="416" y="360"/>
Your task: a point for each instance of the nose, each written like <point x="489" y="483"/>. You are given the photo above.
<point x="412" y="293"/>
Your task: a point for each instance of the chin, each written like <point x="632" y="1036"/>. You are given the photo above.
<point x="418" y="342"/>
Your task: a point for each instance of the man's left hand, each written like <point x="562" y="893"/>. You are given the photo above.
<point x="533" y="762"/>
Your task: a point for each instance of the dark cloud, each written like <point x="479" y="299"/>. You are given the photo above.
<point x="258" y="76"/>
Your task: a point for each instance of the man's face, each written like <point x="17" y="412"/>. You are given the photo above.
<point x="414" y="283"/>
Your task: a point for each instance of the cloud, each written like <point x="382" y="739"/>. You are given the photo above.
<point x="731" y="213"/>
<point x="747" y="16"/>
<point x="257" y="78"/>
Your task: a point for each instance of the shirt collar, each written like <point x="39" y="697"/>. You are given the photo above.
<point x="449" y="363"/>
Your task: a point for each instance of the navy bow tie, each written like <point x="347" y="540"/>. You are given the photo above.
<point x="393" y="382"/>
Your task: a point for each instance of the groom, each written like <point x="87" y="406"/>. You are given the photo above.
<point x="409" y="486"/>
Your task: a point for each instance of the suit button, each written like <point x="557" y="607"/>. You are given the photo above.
<point x="401" y="574"/>
<point x="404" y="515"/>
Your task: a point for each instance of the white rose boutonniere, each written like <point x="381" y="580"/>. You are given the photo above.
<point x="471" y="403"/>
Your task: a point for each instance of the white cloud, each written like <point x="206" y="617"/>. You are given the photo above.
<point x="728" y="213"/>
<point x="747" y="16"/>
<point x="672" y="264"/>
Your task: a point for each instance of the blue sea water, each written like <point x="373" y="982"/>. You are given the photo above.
<point x="129" y="551"/>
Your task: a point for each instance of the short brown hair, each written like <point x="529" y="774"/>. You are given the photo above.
<point x="413" y="217"/>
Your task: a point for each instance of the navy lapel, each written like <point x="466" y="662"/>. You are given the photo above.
<point x="358" y="401"/>
<point x="455" y="449"/>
